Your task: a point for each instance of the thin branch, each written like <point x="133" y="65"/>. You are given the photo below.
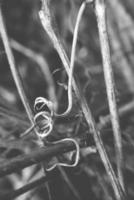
<point x="37" y="156"/>
<point x="72" y="59"/>
<point x="46" y="22"/>
<point x="13" y="69"/>
<point x="110" y="84"/>
<point x="14" y="72"/>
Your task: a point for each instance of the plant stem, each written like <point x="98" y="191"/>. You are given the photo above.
<point x="15" y="73"/>
<point x="13" y="69"/>
<point x="37" y="156"/>
<point x="110" y="84"/>
<point x="46" y="22"/>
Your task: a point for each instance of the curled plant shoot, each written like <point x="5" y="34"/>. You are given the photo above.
<point x="44" y="122"/>
<point x="45" y="117"/>
<point x="43" y="101"/>
<point x="73" y="51"/>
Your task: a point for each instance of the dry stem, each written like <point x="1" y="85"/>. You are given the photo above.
<point x="37" y="156"/>
<point x="110" y="84"/>
<point x="13" y="69"/>
<point x="46" y="22"/>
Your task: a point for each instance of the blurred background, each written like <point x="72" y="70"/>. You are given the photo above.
<point x="43" y="74"/>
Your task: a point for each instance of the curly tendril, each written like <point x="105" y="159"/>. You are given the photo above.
<point x="77" y="155"/>
<point x="45" y="19"/>
<point x="44" y="122"/>
<point x="44" y="108"/>
<point x="43" y="117"/>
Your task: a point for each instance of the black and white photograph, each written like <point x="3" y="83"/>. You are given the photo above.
<point x="66" y="99"/>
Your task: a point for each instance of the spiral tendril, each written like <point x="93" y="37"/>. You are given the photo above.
<point x="44" y="122"/>
<point x="45" y="108"/>
<point x="43" y="117"/>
